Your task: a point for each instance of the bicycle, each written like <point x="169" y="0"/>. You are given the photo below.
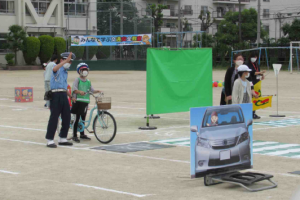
<point x="104" y="122"/>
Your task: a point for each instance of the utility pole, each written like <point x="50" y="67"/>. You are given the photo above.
<point x="179" y="21"/>
<point x="240" y="21"/>
<point x="279" y="17"/>
<point x="258" y="23"/>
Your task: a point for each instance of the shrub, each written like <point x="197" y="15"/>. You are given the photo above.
<point x="59" y="46"/>
<point x="47" y="48"/>
<point x="92" y="51"/>
<point x="10" y="58"/>
<point x="31" y="49"/>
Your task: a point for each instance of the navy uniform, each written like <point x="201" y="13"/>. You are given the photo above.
<point x="59" y="105"/>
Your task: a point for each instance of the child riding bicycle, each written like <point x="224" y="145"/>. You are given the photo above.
<point x="80" y="89"/>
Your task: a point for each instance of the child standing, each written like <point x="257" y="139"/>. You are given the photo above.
<point x="80" y="88"/>
<point x="241" y="92"/>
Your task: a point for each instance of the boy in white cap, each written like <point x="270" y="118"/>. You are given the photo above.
<point x="241" y="92"/>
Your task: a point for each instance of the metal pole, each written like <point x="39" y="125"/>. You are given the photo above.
<point x="291" y="57"/>
<point x="121" y="29"/>
<point x="110" y="32"/>
<point x="179" y="16"/>
<point x="258" y="23"/>
<point x="87" y="30"/>
<point x="277" y="91"/>
<point x="135" y="32"/>
<point x="240" y="21"/>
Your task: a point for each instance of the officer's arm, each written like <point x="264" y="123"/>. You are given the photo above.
<point x="57" y="67"/>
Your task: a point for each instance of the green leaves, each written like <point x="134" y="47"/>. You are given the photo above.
<point x="31" y="49"/>
<point x="47" y="48"/>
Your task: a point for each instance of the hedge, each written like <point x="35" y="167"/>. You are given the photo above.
<point x="59" y="46"/>
<point x="31" y="49"/>
<point x="92" y="51"/>
<point x="47" y="48"/>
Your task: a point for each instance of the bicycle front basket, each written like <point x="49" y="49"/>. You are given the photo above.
<point x="104" y="103"/>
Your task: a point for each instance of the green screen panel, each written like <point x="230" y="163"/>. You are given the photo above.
<point x="178" y="80"/>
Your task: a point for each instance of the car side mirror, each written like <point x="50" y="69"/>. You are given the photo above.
<point x="250" y="122"/>
<point x="194" y="129"/>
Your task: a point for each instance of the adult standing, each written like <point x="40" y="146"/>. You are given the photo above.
<point x="48" y="74"/>
<point x="59" y="104"/>
<point x="255" y="75"/>
<point x="230" y="77"/>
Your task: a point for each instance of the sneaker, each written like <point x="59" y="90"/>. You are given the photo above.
<point x="84" y="137"/>
<point x="53" y="145"/>
<point x="255" y="116"/>
<point x="64" y="142"/>
<point x="75" y="139"/>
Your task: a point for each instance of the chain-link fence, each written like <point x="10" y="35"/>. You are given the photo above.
<point x="108" y="18"/>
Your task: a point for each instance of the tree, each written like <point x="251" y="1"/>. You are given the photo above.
<point x="207" y="40"/>
<point x="15" y="39"/>
<point x="31" y="49"/>
<point x="291" y="31"/>
<point x="228" y="30"/>
<point x="157" y="15"/>
<point x="206" y="21"/>
<point x="92" y="50"/>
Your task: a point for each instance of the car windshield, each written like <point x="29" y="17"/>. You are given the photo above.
<point x="223" y="116"/>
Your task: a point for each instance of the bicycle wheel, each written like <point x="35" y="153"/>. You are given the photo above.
<point x="105" y="127"/>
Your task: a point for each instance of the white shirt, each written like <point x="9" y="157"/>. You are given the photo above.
<point x="245" y="85"/>
<point x="49" y="70"/>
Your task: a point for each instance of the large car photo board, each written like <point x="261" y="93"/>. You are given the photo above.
<point x="221" y="139"/>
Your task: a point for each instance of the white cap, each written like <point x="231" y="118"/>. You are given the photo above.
<point x="244" y="68"/>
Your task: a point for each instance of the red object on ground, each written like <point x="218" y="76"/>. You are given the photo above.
<point x="23" y="94"/>
<point x="216" y="84"/>
<point x="70" y="91"/>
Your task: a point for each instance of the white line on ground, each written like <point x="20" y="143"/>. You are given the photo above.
<point x="276" y="147"/>
<point x="115" y="191"/>
<point x="277" y="153"/>
<point x="15" y="127"/>
<point x="98" y="151"/>
<point x="129" y="108"/>
<point x="263" y="143"/>
<point x="8" y="172"/>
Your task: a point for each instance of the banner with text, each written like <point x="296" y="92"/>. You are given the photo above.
<point x="110" y="40"/>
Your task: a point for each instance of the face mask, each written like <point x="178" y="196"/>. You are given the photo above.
<point x="84" y="73"/>
<point x="239" y="62"/>
<point x="67" y="66"/>
<point x="247" y="76"/>
<point x="253" y="60"/>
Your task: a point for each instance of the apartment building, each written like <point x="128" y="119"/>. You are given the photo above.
<point x="274" y="13"/>
<point x="47" y="17"/>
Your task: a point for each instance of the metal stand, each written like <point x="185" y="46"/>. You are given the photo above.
<point x="242" y="179"/>
<point x="277" y="101"/>
<point x="152" y="117"/>
<point x="148" y="127"/>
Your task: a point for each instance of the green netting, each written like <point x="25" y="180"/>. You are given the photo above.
<point x="178" y="80"/>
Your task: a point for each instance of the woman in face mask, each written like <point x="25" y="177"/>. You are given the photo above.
<point x="80" y="89"/>
<point x="230" y="77"/>
<point x="255" y="75"/>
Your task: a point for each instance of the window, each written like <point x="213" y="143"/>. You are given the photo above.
<point x="266" y="13"/>
<point x="2" y="42"/>
<point x="7" y="6"/>
<point x="72" y="7"/>
<point x="267" y="29"/>
<point x="188" y="10"/>
<point x="40" y="6"/>
<point x="170" y="25"/>
<point x="204" y="9"/>
<point x="266" y="0"/>
<point x="189" y="27"/>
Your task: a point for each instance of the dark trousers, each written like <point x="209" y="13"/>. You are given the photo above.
<point x="80" y="109"/>
<point x="59" y="105"/>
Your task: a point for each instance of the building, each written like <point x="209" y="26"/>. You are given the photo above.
<point x="58" y="18"/>
<point x="274" y="13"/>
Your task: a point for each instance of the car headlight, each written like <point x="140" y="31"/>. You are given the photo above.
<point x="203" y="143"/>
<point x="243" y="137"/>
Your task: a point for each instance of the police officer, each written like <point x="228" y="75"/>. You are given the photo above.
<point x="59" y="104"/>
